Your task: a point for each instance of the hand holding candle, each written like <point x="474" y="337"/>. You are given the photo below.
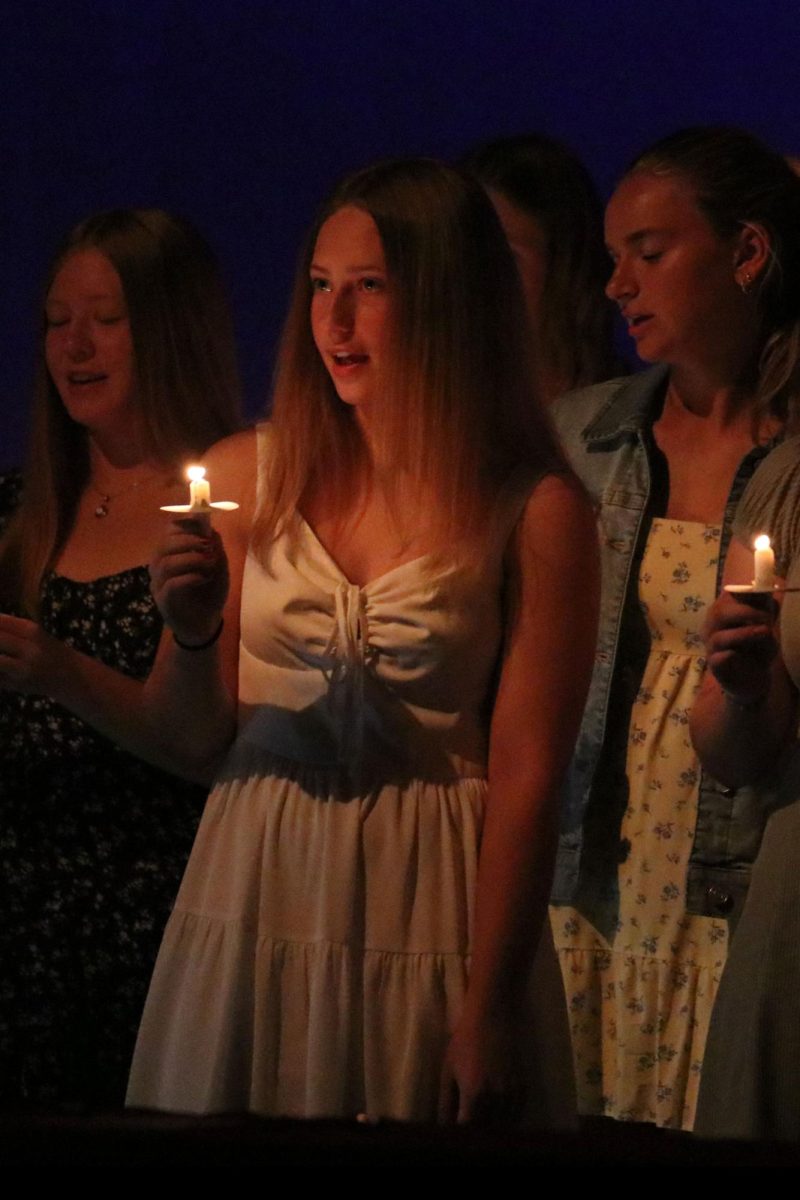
<point x="199" y="496"/>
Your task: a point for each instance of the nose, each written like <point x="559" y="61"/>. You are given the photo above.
<point x="79" y="341"/>
<point x="621" y="285"/>
<point x="342" y="311"/>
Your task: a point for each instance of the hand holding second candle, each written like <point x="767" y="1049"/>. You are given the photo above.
<point x="189" y="580"/>
<point x="741" y="644"/>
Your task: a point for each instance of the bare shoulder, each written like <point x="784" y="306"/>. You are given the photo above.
<point x="557" y="517"/>
<point x="236" y="452"/>
<point x="231" y="467"/>
<point x="552" y="620"/>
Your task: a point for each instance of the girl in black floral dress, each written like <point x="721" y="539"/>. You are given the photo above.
<point x="137" y="375"/>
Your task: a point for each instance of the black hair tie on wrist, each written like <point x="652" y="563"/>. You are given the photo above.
<point x="201" y="645"/>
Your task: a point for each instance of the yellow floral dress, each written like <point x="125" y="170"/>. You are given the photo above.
<point x="640" y="1004"/>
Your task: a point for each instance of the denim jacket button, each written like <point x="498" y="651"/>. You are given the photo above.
<point x="720" y="901"/>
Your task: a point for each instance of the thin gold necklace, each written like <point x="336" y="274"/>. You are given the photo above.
<point x="106" y="498"/>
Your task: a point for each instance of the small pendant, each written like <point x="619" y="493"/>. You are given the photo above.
<point x="102" y="508"/>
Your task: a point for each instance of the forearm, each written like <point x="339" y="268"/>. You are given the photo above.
<point x="159" y="719"/>
<point x="738" y="742"/>
<point x="514" y="879"/>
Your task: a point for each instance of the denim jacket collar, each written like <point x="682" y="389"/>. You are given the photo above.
<point x="630" y="409"/>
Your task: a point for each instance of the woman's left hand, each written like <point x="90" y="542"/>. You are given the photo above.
<point x="481" y="1080"/>
<point x="31" y="661"/>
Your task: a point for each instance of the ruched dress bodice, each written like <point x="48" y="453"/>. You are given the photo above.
<point x="395" y="672"/>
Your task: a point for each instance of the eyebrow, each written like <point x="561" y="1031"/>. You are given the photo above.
<point x="97" y="296"/>
<point x="352" y="270"/>
<point x="640" y="235"/>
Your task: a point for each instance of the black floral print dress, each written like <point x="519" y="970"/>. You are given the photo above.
<point x="93" y="843"/>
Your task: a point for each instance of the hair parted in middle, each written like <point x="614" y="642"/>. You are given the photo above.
<point x="460" y="412"/>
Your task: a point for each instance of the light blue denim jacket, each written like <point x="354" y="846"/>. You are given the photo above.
<point x="607" y="432"/>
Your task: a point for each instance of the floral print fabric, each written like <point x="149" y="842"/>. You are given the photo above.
<point x="93" y="843"/>
<point x="640" y="1004"/>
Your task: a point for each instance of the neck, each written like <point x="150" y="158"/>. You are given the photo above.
<point x="114" y="460"/>
<point x="722" y="378"/>
<point x="374" y="458"/>
<point x="721" y="390"/>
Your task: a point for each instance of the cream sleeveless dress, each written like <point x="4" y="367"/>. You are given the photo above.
<point x="318" y="953"/>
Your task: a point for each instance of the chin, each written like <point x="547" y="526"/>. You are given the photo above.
<point x="649" y="354"/>
<point x="349" y="399"/>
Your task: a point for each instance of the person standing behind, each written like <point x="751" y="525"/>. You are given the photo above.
<point x="704" y="233"/>
<point x="553" y="220"/>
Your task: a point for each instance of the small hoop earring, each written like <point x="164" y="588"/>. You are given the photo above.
<point x="745" y="283"/>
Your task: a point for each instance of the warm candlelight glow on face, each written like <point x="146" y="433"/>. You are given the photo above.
<point x="195" y="473"/>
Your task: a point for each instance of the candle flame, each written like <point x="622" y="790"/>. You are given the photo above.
<point x="195" y="473"/>
<point x="762" y="542"/>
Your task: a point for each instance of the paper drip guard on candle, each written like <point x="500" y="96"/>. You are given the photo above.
<point x="199" y="497"/>
<point x="764" y="571"/>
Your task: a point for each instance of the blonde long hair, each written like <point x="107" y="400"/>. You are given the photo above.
<point x="460" y="412"/>
<point x="187" y="386"/>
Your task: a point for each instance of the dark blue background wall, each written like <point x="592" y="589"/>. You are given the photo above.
<point x="242" y="116"/>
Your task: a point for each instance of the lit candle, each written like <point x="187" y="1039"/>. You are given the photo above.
<point x="199" y="497"/>
<point x="764" y="580"/>
<point x="199" y="489"/>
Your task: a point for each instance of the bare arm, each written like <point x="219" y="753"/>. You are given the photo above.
<point x="745" y="712"/>
<point x="182" y="716"/>
<point x="545" y="678"/>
